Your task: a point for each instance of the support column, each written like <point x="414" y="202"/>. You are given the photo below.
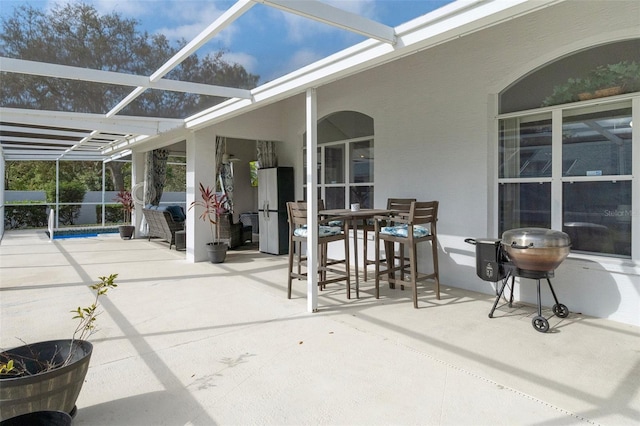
<point x="137" y="177"/>
<point x="312" y="200"/>
<point x="201" y="149"/>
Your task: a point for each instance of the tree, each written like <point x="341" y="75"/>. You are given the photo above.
<point x="77" y="35"/>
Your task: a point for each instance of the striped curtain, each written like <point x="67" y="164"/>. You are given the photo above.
<point x="224" y="175"/>
<point x="155" y="175"/>
<point x="266" y="154"/>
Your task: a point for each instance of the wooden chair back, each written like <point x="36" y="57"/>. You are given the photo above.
<point x="400" y="204"/>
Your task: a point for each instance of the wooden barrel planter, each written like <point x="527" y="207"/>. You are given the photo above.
<point x="54" y="389"/>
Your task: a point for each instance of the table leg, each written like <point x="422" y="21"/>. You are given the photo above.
<point x="355" y="255"/>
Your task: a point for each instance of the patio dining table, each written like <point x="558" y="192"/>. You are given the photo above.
<point x="353" y="217"/>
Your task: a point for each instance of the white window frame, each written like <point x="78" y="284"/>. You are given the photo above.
<point x="557" y="180"/>
<point x="347" y="184"/>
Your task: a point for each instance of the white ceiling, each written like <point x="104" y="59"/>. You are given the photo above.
<point x="50" y="135"/>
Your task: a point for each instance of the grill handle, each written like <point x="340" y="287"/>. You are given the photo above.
<point x="517" y="246"/>
<point x="470" y="241"/>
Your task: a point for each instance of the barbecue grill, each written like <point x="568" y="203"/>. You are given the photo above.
<point x="532" y="253"/>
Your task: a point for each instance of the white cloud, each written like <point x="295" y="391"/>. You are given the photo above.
<point x="360" y="7"/>
<point x="300" y="28"/>
<point x="249" y="62"/>
<point x="301" y="58"/>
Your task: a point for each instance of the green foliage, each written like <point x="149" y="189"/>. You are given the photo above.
<point x="25" y="215"/>
<point x="29" y="175"/>
<point x="176" y="175"/>
<point x="69" y="192"/>
<point x="623" y="75"/>
<point x="6" y="367"/>
<point x="113" y="213"/>
<point x="87" y="316"/>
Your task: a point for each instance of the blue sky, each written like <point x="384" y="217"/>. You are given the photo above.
<point x="265" y="41"/>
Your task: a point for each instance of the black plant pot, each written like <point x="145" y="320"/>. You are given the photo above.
<point x="40" y="418"/>
<point x="217" y="252"/>
<point x="53" y="390"/>
<point x="126" y="231"/>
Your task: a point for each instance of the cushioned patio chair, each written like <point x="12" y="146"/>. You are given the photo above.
<point x="327" y="271"/>
<point x="397" y="204"/>
<point x="409" y="229"/>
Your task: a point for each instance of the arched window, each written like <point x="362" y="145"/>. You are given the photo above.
<point x="565" y="160"/>
<point x="345" y="159"/>
<point x="577" y="77"/>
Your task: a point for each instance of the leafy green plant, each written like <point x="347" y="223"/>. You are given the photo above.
<point x="71" y="193"/>
<point x="87" y="316"/>
<point x="624" y="75"/>
<point x="24" y="214"/>
<point x="112" y="213"/>
<point x="86" y="326"/>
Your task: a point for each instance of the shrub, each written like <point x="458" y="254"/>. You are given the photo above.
<point x="25" y="215"/>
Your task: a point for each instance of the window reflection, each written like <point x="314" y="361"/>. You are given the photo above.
<point x="525" y="148"/>
<point x="597" y="144"/>
<point x="361" y="155"/>
<point x="334" y="164"/>
<point x="597" y="216"/>
<point x="524" y="205"/>
<point x="362" y="195"/>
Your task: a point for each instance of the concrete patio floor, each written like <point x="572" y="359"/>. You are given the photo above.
<point x="203" y="344"/>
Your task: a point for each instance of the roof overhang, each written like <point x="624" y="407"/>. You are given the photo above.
<point x="35" y="134"/>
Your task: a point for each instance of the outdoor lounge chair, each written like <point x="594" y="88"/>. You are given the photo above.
<point x="162" y="224"/>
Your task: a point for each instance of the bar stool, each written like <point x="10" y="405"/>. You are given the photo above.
<point x="396" y="204"/>
<point x="297" y="212"/>
<point x="410" y="229"/>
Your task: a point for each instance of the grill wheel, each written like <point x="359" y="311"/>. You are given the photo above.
<point x="540" y="324"/>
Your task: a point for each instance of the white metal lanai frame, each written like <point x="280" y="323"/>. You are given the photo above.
<point x="108" y="136"/>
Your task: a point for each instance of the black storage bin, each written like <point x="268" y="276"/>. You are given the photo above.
<point x="489" y="265"/>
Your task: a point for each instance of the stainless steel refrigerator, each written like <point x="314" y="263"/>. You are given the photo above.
<point x="275" y="189"/>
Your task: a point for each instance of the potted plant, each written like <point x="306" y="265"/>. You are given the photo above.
<point x="214" y="205"/>
<point x="602" y="81"/>
<point x="48" y="376"/>
<point x="125" y="198"/>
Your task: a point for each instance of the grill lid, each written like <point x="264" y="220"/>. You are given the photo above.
<point x="535" y="238"/>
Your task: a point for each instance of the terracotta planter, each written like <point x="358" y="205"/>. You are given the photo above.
<point x="609" y="91"/>
<point x="217" y="252"/>
<point x="52" y="390"/>
<point x="601" y="93"/>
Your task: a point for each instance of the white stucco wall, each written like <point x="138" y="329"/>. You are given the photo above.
<point x="2" y="201"/>
<point x="434" y="115"/>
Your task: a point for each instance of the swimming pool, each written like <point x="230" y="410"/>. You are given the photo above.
<point x="66" y="233"/>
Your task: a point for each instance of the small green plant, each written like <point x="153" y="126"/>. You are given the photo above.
<point x="6" y="367"/>
<point x="87" y="316"/>
<point x="86" y="327"/>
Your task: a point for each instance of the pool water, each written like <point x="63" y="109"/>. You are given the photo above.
<point x="81" y="233"/>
